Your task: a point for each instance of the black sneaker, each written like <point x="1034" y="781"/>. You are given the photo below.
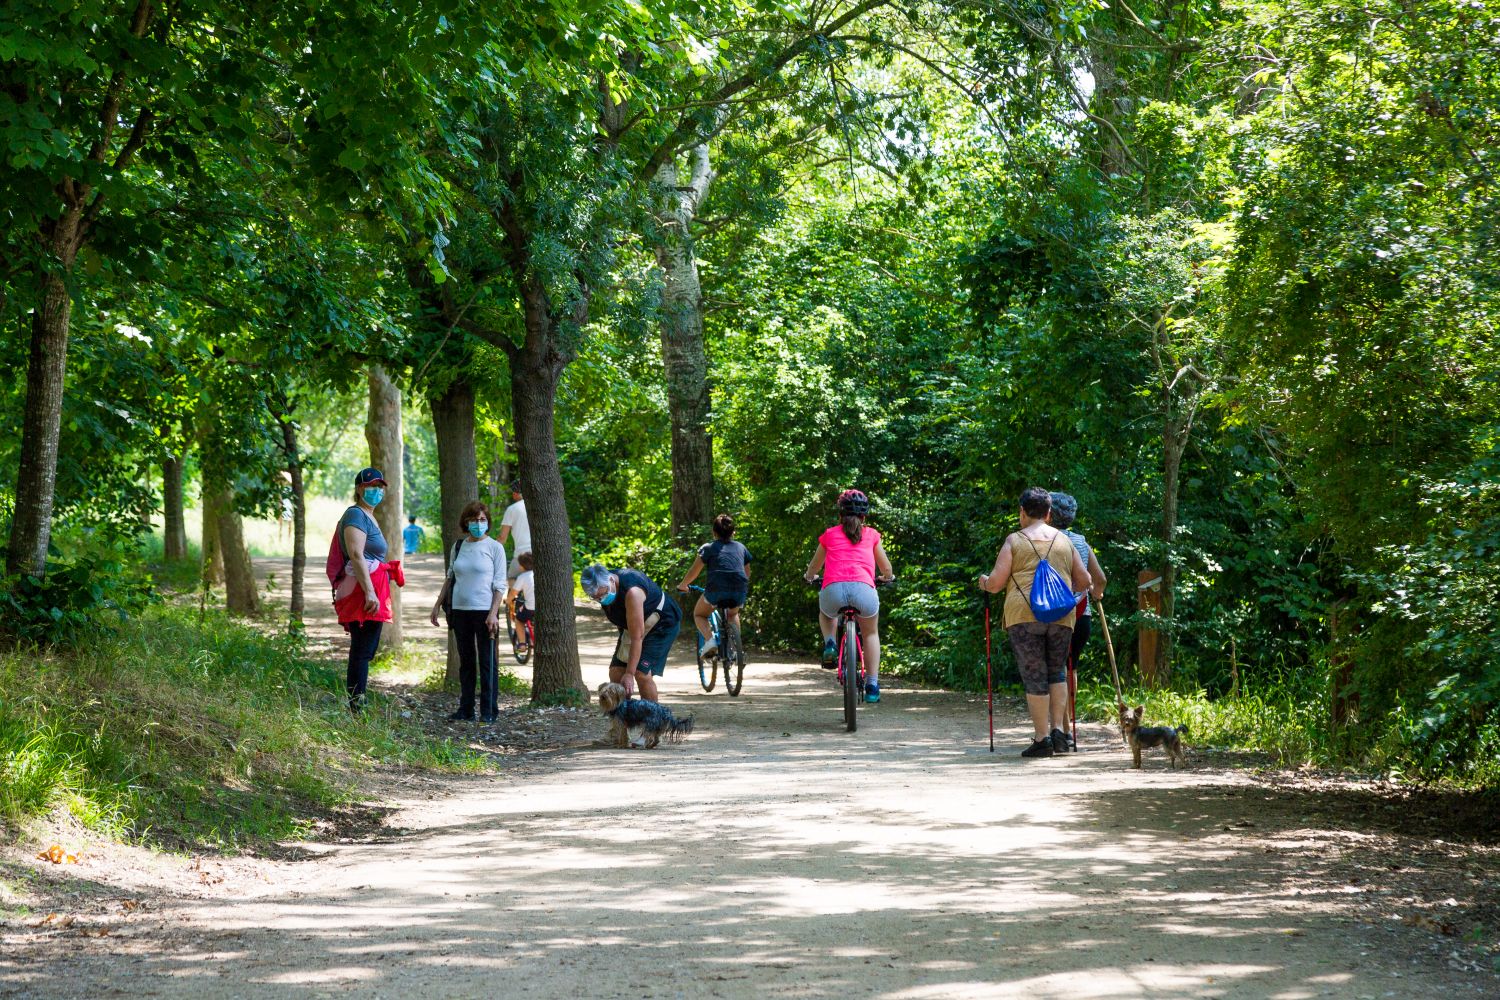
<point x="1060" y="741"/>
<point x="487" y="719"/>
<point x="461" y="717"/>
<point x="1039" y="748"/>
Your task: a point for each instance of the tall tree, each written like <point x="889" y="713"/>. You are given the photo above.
<point x="383" y="434"/>
<point x="683" y="352"/>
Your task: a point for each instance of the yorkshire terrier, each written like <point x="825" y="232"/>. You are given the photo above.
<point x="655" y="719"/>
<point x="1149" y="737"/>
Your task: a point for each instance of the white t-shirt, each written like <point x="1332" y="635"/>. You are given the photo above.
<point x="520" y="528"/>
<point x="478" y="573"/>
<point x="526" y="584"/>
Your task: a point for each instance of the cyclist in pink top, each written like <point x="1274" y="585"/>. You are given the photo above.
<point x="848" y="555"/>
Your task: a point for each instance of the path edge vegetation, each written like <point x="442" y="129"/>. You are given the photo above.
<point x="189" y="731"/>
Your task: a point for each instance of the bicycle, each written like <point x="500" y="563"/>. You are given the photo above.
<point x="851" y="657"/>
<point x="522" y="639"/>
<point x="731" y="652"/>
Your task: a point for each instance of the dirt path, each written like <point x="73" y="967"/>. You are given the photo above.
<point x="773" y="855"/>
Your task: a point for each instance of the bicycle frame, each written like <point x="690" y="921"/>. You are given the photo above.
<point x="731" y="652"/>
<point x="847" y="617"/>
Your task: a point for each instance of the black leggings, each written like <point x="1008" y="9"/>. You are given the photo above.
<point x="364" y="639"/>
<point x="476" y="654"/>
<point x="1080" y="638"/>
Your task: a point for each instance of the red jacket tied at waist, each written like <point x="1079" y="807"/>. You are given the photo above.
<point x="351" y="607"/>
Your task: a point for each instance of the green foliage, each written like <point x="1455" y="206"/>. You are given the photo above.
<point x="241" y="741"/>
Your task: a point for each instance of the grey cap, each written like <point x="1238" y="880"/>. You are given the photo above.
<point x="1064" y="510"/>
<point x="593" y="577"/>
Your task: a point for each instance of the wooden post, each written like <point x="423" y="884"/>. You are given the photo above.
<point x="1148" y="598"/>
<point x="1343" y="700"/>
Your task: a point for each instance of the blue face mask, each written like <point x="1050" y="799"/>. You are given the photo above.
<point x="479" y="528"/>
<point x="373" y="495"/>
<point x="608" y="599"/>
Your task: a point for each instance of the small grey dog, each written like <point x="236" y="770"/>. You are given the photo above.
<point x="1149" y="737"/>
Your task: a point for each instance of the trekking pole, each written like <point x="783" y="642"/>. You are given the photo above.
<point x="1073" y="699"/>
<point x="1109" y="647"/>
<point x="989" y="684"/>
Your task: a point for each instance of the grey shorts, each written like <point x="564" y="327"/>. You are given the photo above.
<point x="860" y="596"/>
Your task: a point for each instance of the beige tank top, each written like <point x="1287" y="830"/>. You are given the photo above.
<point x="1023" y="562"/>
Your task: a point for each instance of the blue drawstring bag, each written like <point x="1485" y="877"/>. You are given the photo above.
<point x="1051" y="597"/>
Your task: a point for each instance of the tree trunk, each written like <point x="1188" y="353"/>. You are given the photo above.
<point x="240" y="594"/>
<point x="213" y="553"/>
<point x="41" y="426"/>
<point x="174" y="523"/>
<point x="684" y="357"/>
<point x="293" y="455"/>
<point x="458" y="473"/>
<point x="534" y="371"/>
<point x="383" y="434"/>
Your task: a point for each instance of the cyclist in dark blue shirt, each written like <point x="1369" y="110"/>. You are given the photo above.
<point x="728" y="565"/>
<point x="648" y="622"/>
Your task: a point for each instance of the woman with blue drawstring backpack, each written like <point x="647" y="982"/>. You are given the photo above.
<point x="1039" y="570"/>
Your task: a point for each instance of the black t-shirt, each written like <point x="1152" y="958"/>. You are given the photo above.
<point x="615" y="610"/>
<point x="725" y="562"/>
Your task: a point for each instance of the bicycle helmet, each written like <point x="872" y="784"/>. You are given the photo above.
<point x="854" y="502"/>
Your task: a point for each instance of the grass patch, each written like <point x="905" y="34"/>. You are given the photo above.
<point x="427" y="671"/>
<point x="1289" y="721"/>
<point x="177" y="733"/>
<point x="1291" y="729"/>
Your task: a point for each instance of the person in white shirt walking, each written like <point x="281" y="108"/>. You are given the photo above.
<point x="515" y="527"/>
<point x="476" y="581"/>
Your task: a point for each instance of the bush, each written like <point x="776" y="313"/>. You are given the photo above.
<point x="72" y="601"/>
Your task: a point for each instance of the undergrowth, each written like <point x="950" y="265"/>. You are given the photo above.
<point x="1291" y="723"/>
<point x="177" y="733"/>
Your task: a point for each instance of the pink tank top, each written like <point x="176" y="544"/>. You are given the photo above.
<point x="847" y="562"/>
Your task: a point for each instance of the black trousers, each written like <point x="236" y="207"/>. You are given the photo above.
<point x="1080" y="637"/>
<point x="364" y="640"/>
<point x="476" y="656"/>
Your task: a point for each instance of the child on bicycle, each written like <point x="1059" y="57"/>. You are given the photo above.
<point x="728" y="582"/>
<point x="525" y="589"/>
<point x="848" y="555"/>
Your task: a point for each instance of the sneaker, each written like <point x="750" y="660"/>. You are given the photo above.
<point x="1039" y="748"/>
<point x="1060" y="741"/>
<point x="461" y="717"/>
<point x="872" y="693"/>
<point x="488" y="719"/>
<point x="830" y="660"/>
<point x="710" y="649"/>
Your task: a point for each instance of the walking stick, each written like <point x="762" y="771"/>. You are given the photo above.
<point x="1073" y="688"/>
<point x="989" y="684"/>
<point x="1109" y="647"/>
<point x="1073" y="698"/>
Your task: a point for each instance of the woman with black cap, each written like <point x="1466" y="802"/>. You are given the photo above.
<point x="1064" y="512"/>
<point x="366" y="606"/>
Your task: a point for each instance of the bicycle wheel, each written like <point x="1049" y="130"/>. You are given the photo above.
<point x="708" y="670"/>
<point x="734" y="659"/>
<point x="527" y="641"/>
<point x="510" y="630"/>
<point x="851" y="675"/>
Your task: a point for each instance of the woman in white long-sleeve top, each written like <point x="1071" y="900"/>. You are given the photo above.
<point x="477" y="582"/>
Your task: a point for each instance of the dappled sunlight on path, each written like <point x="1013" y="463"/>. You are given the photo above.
<point x="774" y="855"/>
